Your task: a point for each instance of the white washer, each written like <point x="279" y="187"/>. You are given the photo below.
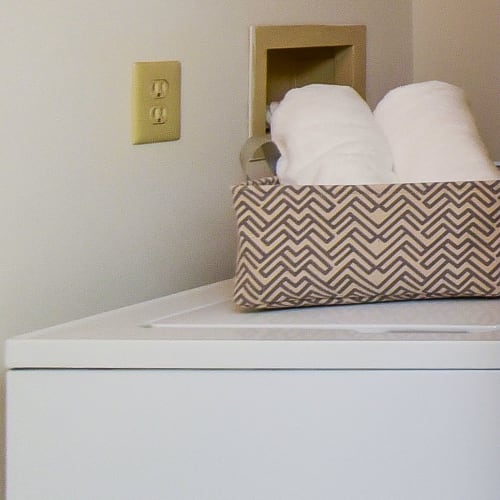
<point x="186" y="398"/>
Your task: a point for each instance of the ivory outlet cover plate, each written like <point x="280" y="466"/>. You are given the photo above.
<point x="156" y="100"/>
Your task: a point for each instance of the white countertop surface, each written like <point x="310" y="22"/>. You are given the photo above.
<point x="201" y="328"/>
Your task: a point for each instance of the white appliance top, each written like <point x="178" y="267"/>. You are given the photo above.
<point x="201" y="328"/>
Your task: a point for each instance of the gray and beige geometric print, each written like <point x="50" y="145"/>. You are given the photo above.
<point x="319" y="245"/>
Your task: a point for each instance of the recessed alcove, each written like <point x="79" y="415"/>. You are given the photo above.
<point x="285" y="57"/>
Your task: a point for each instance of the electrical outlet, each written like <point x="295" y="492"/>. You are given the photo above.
<point x="156" y="100"/>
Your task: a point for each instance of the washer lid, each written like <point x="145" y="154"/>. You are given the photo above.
<point x="201" y="328"/>
<point x="424" y="319"/>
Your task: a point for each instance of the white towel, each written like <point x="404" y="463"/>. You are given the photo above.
<point x="432" y="134"/>
<point x="327" y="134"/>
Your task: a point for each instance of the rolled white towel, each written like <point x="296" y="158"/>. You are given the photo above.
<point x="433" y="135"/>
<point x="327" y="134"/>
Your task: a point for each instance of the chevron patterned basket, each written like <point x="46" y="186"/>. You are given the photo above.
<point x="325" y="245"/>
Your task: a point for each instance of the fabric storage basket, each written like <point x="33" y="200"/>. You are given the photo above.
<point x="324" y="245"/>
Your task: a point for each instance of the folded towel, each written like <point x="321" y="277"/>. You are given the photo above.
<point x="327" y="134"/>
<point x="432" y="134"/>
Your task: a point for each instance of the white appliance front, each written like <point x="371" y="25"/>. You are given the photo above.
<point x="185" y="398"/>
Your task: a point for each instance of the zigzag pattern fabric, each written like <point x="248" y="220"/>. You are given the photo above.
<point x="325" y="245"/>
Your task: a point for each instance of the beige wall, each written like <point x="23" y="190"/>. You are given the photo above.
<point x="458" y="41"/>
<point x="90" y="222"/>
